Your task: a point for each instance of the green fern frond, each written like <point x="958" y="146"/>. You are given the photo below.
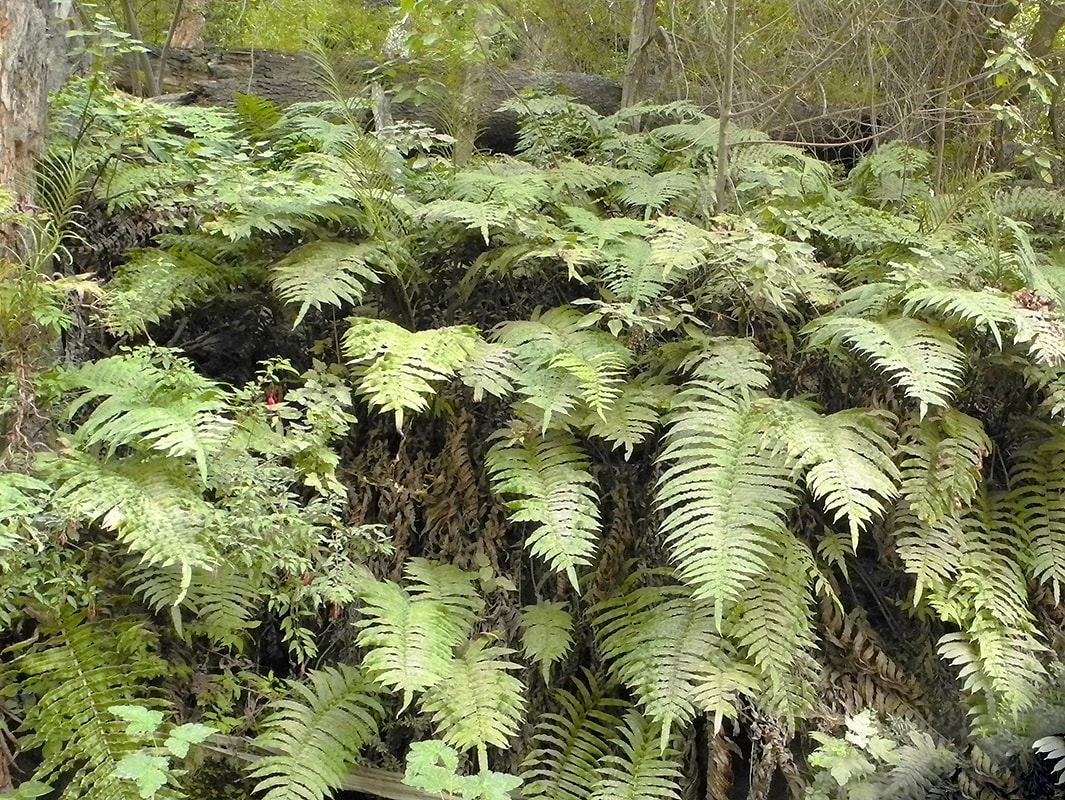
<point x="329" y="272"/>
<point x="846" y="457"/>
<point x="482" y="217"/>
<point x="489" y="369"/>
<point x="75" y="672"/>
<point x="396" y="368"/>
<point x="411" y="635"/>
<point x="149" y="399"/>
<point x="923" y="360"/>
<point x="153" y="505"/>
<point x="153" y="283"/>
<point x="478" y="702"/>
<point x="1037" y="495"/>
<point x="772" y="626"/>
<point x="724" y="496"/>
<point x="569" y="743"/>
<point x="984" y="310"/>
<point x="314" y="736"/>
<point x="556" y="493"/>
<point x="930" y="549"/>
<point x="564" y="361"/>
<point x="1044" y="335"/>
<point x="942" y="458"/>
<point x="546" y="634"/>
<point x="644" y="768"/>
<point x="894" y="174"/>
<point x="664" y="646"/>
<point x="633" y="415"/>
<point x="220" y="605"/>
<point x="655" y="193"/>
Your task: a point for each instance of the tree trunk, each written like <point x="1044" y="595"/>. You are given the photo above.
<point x="640" y="64"/>
<point x="24" y="82"/>
<point x="190" y="25"/>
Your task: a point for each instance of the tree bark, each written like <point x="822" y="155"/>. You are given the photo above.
<point x="24" y="82"/>
<point x="640" y="63"/>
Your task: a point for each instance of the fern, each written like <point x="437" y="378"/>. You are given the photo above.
<point x="396" y="368"/>
<point x="1037" y="483"/>
<point x="565" y="361"/>
<point x="643" y="769"/>
<point x="923" y="360"/>
<point x="546" y="634"/>
<point x="152" y="284"/>
<point x="1052" y="748"/>
<point x="633" y="415"/>
<point x="564" y="765"/>
<point x="489" y="369"/>
<point x="314" y="736"/>
<point x="75" y="672"/>
<point x="663" y="644"/>
<point x="987" y="310"/>
<point x="478" y="702"/>
<point x="723" y="495"/>
<point x="655" y="193"/>
<point x="556" y="493"/>
<point x="846" y="458"/>
<point x="326" y="272"/>
<point x="149" y="399"/>
<point x="411" y="634"/>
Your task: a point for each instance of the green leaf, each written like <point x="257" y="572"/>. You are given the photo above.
<point x="142" y="721"/>
<point x="149" y="772"/>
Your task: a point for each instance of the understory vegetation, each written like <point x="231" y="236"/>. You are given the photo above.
<point x="579" y="473"/>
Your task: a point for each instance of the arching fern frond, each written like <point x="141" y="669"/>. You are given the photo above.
<point x="664" y="646"/>
<point x="565" y="361"/>
<point x="1037" y="494"/>
<point x="846" y="457"/>
<point x="149" y="399"/>
<point x="411" y="635"/>
<point x="396" y="368"/>
<point x="75" y="672"/>
<point x="921" y="359"/>
<point x="153" y="283"/>
<point x="569" y="743"/>
<point x="644" y="768"/>
<point x="489" y="369"/>
<point x="633" y="415"/>
<point x="478" y="702"/>
<point x="314" y="735"/>
<point x="985" y="310"/>
<point x="329" y="272"/>
<point x="723" y="495"/>
<point x="556" y="493"/>
<point x="655" y="193"/>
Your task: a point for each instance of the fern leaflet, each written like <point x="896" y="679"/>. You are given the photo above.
<point x="326" y="272"/>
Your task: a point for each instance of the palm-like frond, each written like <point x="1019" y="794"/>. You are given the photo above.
<point x="314" y="735"/>
<point x="923" y="360"/>
<point x="325" y="272"/>
<point x="396" y="368"/>
<point x="556" y="494"/>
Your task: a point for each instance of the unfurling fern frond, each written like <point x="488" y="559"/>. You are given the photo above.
<point x="644" y="768"/>
<point x="570" y="743"/>
<point x="411" y="635"/>
<point x="396" y="368"/>
<point x="1037" y="494"/>
<point x="153" y="283"/>
<point x="565" y="361"/>
<point x="556" y="493"/>
<point x="314" y="736"/>
<point x="663" y="645"/>
<point x="149" y="399"/>
<point x="846" y="457"/>
<point x="478" y="702"/>
<point x="923" y="360"/>
<point x="75" y="672"/>
<point x="333" y="273"/>
<point x="723" y="494"/>
<point x="546" y="634"/>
